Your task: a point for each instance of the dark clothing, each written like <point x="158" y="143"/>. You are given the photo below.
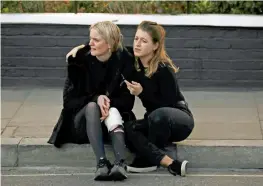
<point x="89" y="127"/>
<point x="99" y="80"/>
<point x="90" y="114"/>
<point x="85" y="83"/>
<point x="168" y="118"/>
<point x="160" y="90"/>
<point x="147" y="137"/>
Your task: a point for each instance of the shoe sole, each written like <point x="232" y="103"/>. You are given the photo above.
<point x="139" y="170"/>
<point x="184" y="168"/>
<point x="117" y="176"/>
<point x="102" y="178"/>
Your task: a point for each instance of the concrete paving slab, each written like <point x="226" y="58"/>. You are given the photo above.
<point x="138" y="109"/>
<point x="205" y="99"/>
<point x="219" y="156"/>
<point x="225" y="115"/>
<point x="45" y="96"/>
<point x="33" y="132"/>
<point x="261" y="122"/>
<point x="9" y="132"/>
<point x="260" y="111"/>
<point x="258" y="96"/>
<point x="50" y="123"/>
<point x="30" y="114"/>
<point x="13" y="95"/>
<point x="9" y="155"/>
<point x="8" y="109"/>
<point x="4" y="123"/>
<point x="226" y="131"/>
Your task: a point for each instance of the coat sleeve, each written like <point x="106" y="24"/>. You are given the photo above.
<point x="74" y="97"/>
<point x="125" y="101"/>
<point x="71" y="101"/>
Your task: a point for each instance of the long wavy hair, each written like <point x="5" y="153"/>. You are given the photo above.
<point x="157" y="34"/>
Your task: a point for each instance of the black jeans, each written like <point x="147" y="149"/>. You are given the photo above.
<point x="163" y="126"/>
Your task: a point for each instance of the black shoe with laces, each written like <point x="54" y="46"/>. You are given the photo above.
<point x="141" y="165"/>
<point x="178" y="168"/>
<point x="103" y="170"/>
<point x="118" y="172"/>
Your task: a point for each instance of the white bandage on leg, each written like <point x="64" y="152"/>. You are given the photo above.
<point x="113" y="120"/>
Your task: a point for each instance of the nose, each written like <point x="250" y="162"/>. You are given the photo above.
<point x="137" y="43"/>
<point x="91" y="42"/>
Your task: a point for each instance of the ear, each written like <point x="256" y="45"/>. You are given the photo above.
<point x="156" y="45"/>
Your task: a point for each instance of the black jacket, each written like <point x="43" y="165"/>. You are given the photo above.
<point x="78" y="91"/>
<point x="160" y="90"/>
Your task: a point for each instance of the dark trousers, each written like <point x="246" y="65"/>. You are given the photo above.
<point x="89" y="127"/>
<point x="163" y="126"/>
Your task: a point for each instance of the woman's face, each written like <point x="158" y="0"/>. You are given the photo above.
<point x="142" y="44"/>
<point x="98" y="45"/>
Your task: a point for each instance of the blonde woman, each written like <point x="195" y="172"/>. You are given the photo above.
<point x="167" y="118"/>
<point x="96" y="101"/>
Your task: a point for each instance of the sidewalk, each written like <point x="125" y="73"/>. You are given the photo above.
<point x="226" y="118"/>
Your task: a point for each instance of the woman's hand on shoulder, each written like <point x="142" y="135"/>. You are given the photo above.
<point x="74" y="51"/>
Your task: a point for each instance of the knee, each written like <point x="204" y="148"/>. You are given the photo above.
<point x="91" y="106"/>
<point x="129" y="125"/>
<point x="114" y="120"/>
<point x="157" y="117"/>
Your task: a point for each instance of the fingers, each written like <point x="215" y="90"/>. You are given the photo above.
<point x="135" y="83"/>
<point x="127" y="83"/>
<point x="103" y="118"/>
<point x="74" y="51"/>
<point x="106" y="98"/>
<point x="103" y="100"/>
<point x="105" y="107"/>
<point x="106" y="102"/>
<point x="68" y="54"/>
<point x="104" y="113"/>
<point x="130" y="86"/>
<point x="102" y="110"/>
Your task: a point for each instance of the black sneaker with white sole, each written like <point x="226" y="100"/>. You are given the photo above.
<point x="178" y="168"/>
<point x="118" y="172"/>
<point x="141" y="165"/>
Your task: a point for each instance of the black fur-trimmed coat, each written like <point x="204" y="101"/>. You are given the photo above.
<point x="78" y="92"/>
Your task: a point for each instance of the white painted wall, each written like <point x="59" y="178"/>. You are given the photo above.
<point x="221" y="20"/>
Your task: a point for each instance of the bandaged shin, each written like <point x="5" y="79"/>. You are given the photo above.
<point x="113" y="120"/>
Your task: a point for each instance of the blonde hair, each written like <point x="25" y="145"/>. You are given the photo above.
<point x="157" y="34"/>
<point x="111" y="33"/>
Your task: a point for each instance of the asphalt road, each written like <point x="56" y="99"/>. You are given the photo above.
<point x="84" y="177"/>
